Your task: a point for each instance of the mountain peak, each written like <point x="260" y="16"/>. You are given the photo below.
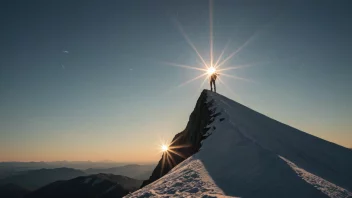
<point x="228" y="149"/>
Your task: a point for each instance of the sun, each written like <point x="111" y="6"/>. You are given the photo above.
<point x="213" y="65"/>
<point x="164" y="148"/>
<point x="211" y="70"/>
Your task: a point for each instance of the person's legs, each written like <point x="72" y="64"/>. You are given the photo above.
<point x="214" y="86"/>
<point x="212" y="83"/>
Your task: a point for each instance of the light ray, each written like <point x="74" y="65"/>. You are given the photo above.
<point x="185" y="66"/>
<point x="189" y="42"/>
<point x="177" y="153"/>
<point x="193" y="79"/>
<point x="168" y="159"/>
<point x="211" y="31"/>
<point x="228" y="88"/>
<point x="236" y="77"/>
<point x="175" y="140"/>
<point x="222" y="53"/>
<point x="177" y="147"/>
<point x="162" y="163"/>
<point x="201" y="85"/>
<point x="244" y="66"/>
<point x="222" y="82"/>
<point x="237" y="51"/>
<point x="172" y="160"/>
<point x="236" y="67"/>
<point x="200" y="63"/>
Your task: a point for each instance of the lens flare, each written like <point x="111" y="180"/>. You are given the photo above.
<point x="218" y="65"/>
<point x="164" y="148"/>
<point x="211" y="70"/>
<point x="170" y="150"/>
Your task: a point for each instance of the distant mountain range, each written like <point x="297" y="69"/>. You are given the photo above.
<point x="134" y="171"/>
<point x="34" y="179"/>
<point x="14" y="168"/>
<point x="99" y="185"/>
<point x="68" y="182"/>
<point x="22" y="166"/>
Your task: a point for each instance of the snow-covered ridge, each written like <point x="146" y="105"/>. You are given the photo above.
<point x="247" y="154"/>
<point x="326" y="187"/>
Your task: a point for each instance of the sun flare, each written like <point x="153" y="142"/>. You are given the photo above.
<point x="164" y="148"/>
<point x="211" y="70"/>
<point x="213" y="65"/>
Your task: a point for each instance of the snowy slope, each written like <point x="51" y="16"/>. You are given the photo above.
<point x="250" y="155"/>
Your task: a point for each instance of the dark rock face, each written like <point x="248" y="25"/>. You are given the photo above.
<point x="187" y="142"/>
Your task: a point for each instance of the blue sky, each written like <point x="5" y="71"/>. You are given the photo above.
<point x="87" y="80"/>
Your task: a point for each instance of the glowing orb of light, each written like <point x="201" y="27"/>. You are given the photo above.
<point x="211" y="70"/>
<point x="164" y="148"/>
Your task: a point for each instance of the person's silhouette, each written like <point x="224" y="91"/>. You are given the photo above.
<point x="212" y="81"/>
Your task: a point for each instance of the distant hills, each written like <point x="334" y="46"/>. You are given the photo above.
<point x="13" y="168"/>
<point x="92" y="186"/>
<point x="27" y="180"/>
<point x="22" y="166"/>
<point x="21" y="181"/>
<point x="99" y="185"/>
<point x="34" y="179"/>
<point x="134" y="171"/>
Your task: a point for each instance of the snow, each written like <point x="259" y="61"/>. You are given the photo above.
<point x="188" y="179"/>
<point x="250" y="155"/>
<point x="326" y="187"/>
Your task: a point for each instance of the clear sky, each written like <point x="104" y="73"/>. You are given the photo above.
<point x="86" y="80"/>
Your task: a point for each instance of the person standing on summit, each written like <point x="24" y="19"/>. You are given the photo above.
<point x="213" y="77"/>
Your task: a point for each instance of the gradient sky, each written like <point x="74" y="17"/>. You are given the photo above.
<point x="85" y="80"/>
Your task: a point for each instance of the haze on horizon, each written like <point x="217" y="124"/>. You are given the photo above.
<point x="87" y="80"/>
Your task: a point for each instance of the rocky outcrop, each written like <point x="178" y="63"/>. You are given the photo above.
<point x="187" y="142"/>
